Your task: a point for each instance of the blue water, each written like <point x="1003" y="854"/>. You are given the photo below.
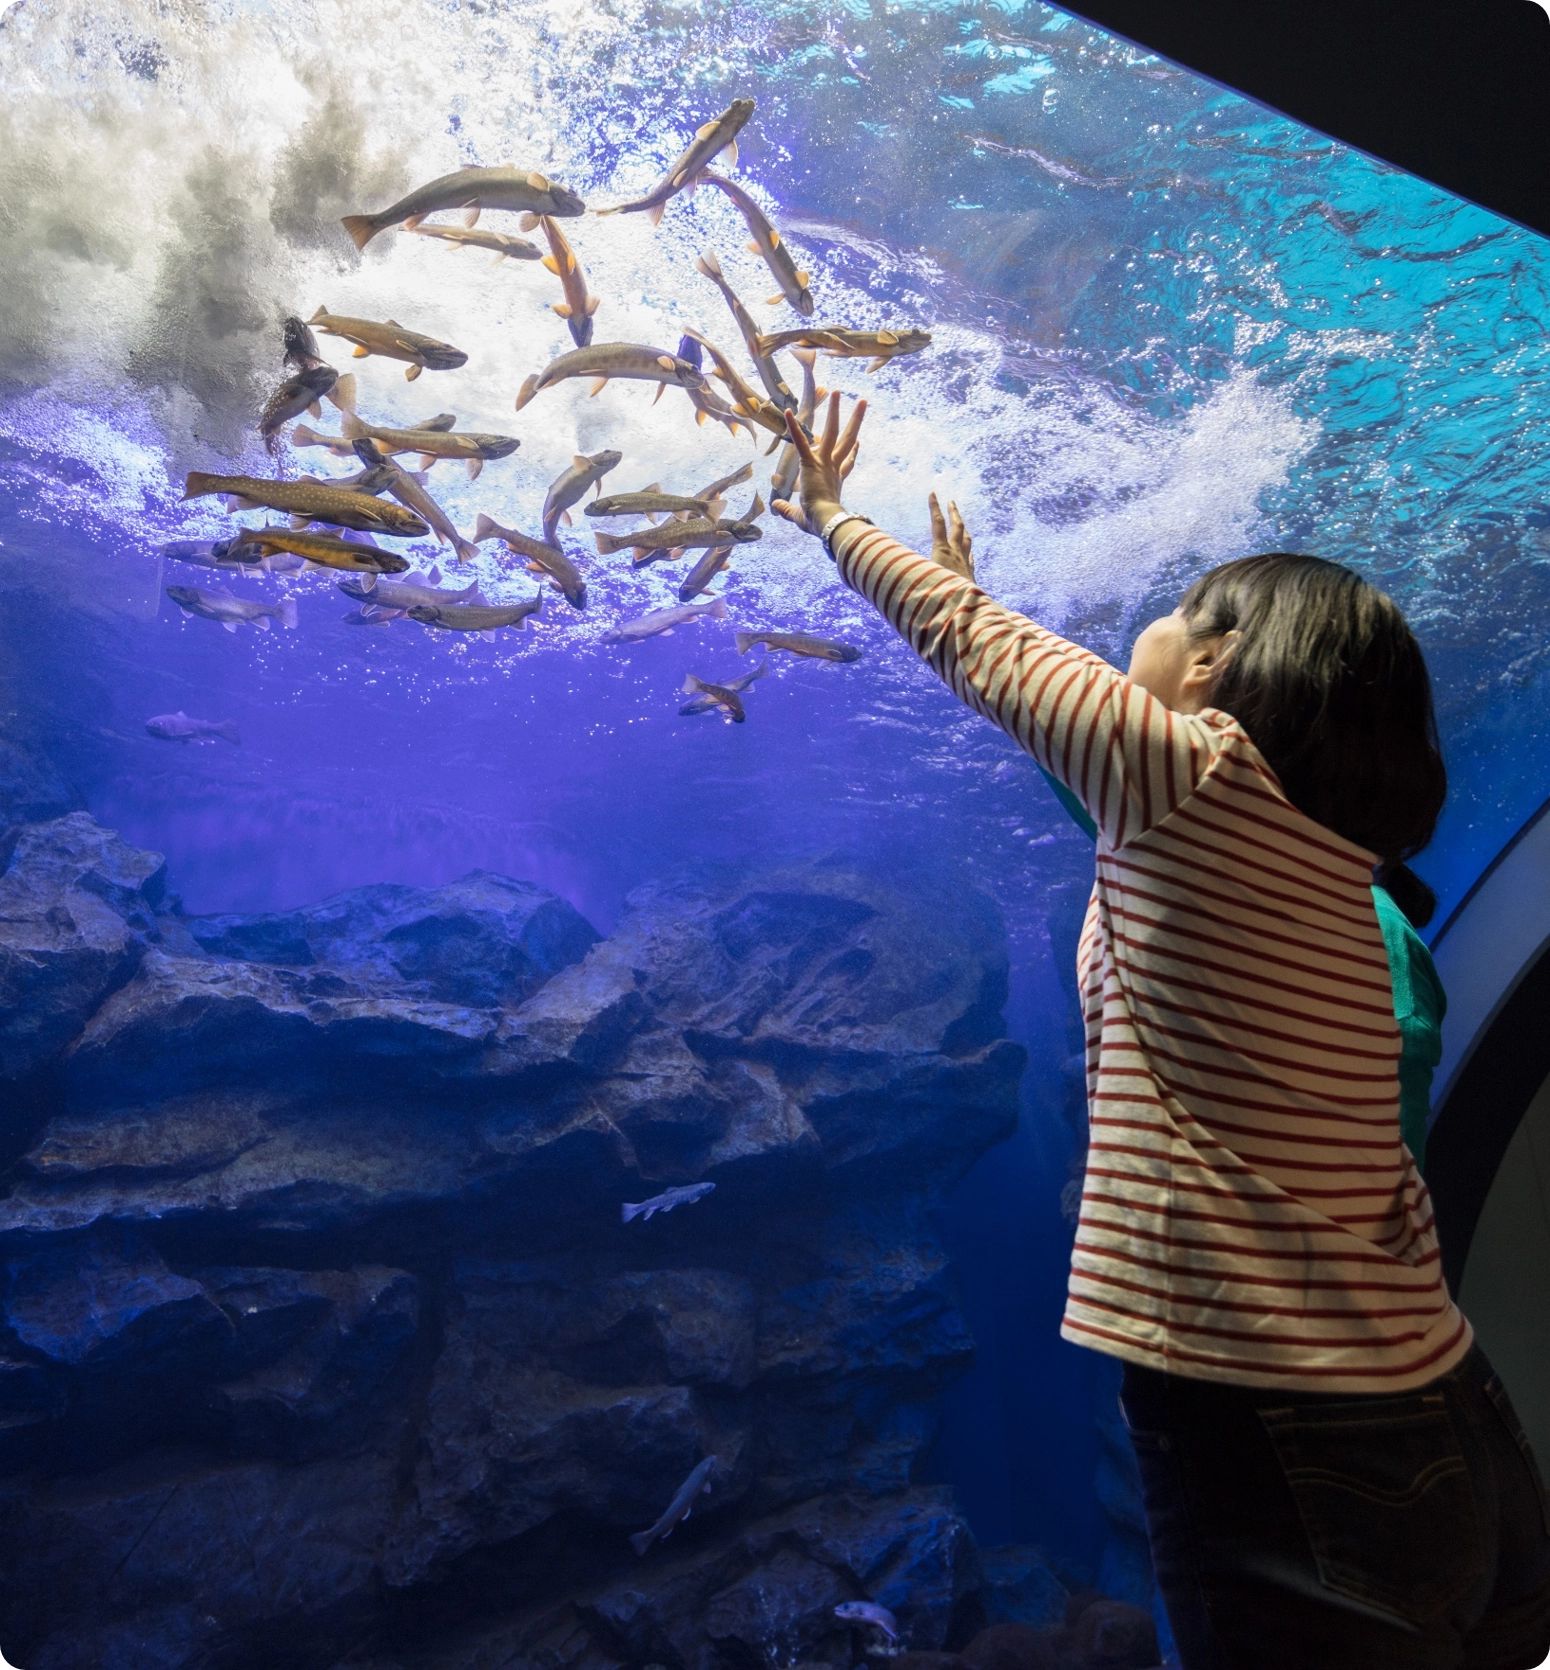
<point x="1169" y="327"/>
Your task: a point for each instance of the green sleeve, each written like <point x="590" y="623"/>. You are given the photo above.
<point x="1419" y="1005"/>
<point x="1075" y="810"/>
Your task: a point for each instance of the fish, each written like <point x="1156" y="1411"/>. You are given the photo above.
<point x="661" y="622"/>
<point x="326" y="550"/>
<point x="298" y="394"/>
<point x="708" y="404"/>
<point x="373" y="479"/>
<point x="392" y="599"/>
<point x="746" y="403"/>
<point x="316" y="501"/>
<point x="697" y="533"/>
<point x="710" y="140"/>
<point x="178" y="727"/>
<point x="868" y="1612"/>
<point x="210" y="553"/>
<point x="232" y="612"/>
<point x="586" y="471"/>
<point x="646" y="501"/>
<point x="703" y="695"/>
<point x="341" y="445"/>
<point x="716" y="490"/>
<point x="301" y="346"/>
<point x="882" y="345"/>
<point x="506" y="245"/>
<point x="679" y="1509"/>
<point x="604" y="360"/>
<point x="798" y="643"/>
<point x="392" y="341"/>
<point x="474" y="448"/>
<point x="704" y="571"/>
<point x="775" y="385"/>
<point x="471" y="190"/>
<point x="788" y="468"/>
<point x="411" y="492"/>
<point x="685" y="1195"/>
<point x="478" y="617"/>
<point x="765" y="241"/>
<point x="544" y="559"/>
<point x="579" y="304"/>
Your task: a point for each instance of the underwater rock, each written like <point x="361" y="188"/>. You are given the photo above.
<point x="31" y="790"/>
<point x="485" y="941"/>
<point x="1012" y="1646"/>
<point x="1110" y="1635"/>
<point x="1020" y="1587"/>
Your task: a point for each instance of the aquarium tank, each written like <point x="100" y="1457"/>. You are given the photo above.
<point x="540" y="1075"/>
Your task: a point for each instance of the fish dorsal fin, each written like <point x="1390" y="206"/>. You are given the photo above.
<point x="705" y="130"/>
<point x="538" y="182"/>
<point x="888" y="338"/>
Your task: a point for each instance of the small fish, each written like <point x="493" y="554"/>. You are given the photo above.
<point x="868" y="1612"/>
<point x="542" y="559"/>
<point x="746" y="403"/>
<point x="579" y="304"/>
<point x="716" y="490"/>
<point x="211" y="553"/>
<point x="178" y="727"/>
<point x="232" y="612"/>
<point x="571" y="486"/>
<point x="471" y="190"/>
<point x="704" y="571"/>
<point x="717" y="135"/>
<point x="392" y="341"/>
<point x="316" y="501"/>
<point x="712" y="694"/>
<point x="373" y="479"/>
<point x="605" y="360"/>
<point x="411" y="492"/>
<point x="708" y="404"/>
<point x="798" y="643"/>
<point x="473" y="448"/>
<point x="295" y="395"/>
<point x="685" y="1195"/>
<point x="648" y="500"/>
<point x="705" y="696"/>
<point x="788" y="469"/>
<point x="696" y="534"/>
<point x="506" y="246"/>
<point x="301" y="346"/>
<point x="326" y="550"/>
<point x="769" y="372"/>
<point x="391" y="599"/>
<point x="478" y="617"/>
<point x="766" y="243"/>
<point x="843" y="344"/>
<point x="341" y="445"/>
<point x="679" y="1509"/>
<point x="661" y="622"/>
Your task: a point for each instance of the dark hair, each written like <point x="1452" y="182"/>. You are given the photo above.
<point x="1327" y="679"/>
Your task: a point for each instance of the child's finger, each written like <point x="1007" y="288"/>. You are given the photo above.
<point x="784" y="508"/>
<point x="798" y="439"/>
<point x="831" y="429"/>
<point x="938" y="526"/>
<point x="853" y="428"/>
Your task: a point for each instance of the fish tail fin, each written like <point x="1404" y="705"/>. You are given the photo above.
<point x="342" y="394"/>
<point x="285" y="613"/>
<point x="304" y="435"/>
<point x="229" y="732"/>
<point x="641" y="1541"/>
<point x="606" y="544"/>
<point x="628" y="1214"/>
<point x="466" y="548"/>
<point x="708" y="265"/>
<point x="717" y="609"/>
<point x="350" y="425"/>
<point x="691" y="684"/>
<point x="362" y="228"/>
<point x="198" y="483"/>
<point x="760" y="670"/>
<point x="527" y="391"/>
<point x="745" y="641"/>
<point x="484" y="529"/>
<point x="805" y="356"/>
<point x="322" y="313"/>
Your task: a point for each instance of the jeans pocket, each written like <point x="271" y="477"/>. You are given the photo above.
<point x="1497" y="1393"/>
<point x="1385" y="1498"/>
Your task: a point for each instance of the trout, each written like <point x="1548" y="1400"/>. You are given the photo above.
<point x="881" y="345"/>
<point x="868" y="1612"/>
<point x="679" y="1509"/>
<point x="669" y="1200"/>
<point x="478" y="617"/>
<point x="708" y="404"/>
<point x="392" y="341"/>
<point x="716" y="490"/>
<point x="769" y="372"/>
<point x="788" y="469"/>
<point x="579" y="304"/>
<point x="388" y="600"/>
<point x="301" y="393"/>
<point x="324" y="549"/>
<point x="704" y="571"/>
<point x="232" y="612"/>
<point x="210" y="553"/>
<point x="471" y="190"/>
<point x="650" y="500"/>
<point x="179" y="727"/>
<point x="716" y="136"/>
<point x="542" y="559"/>
<point x="697" y="533"/>
<point x="766" y="242"/>
<point x="798" y="643"/>
<point x="571" y="486"/>
<point x="751" y="407"/>
<point x="431" y="444"/>
<point x="662" y="622"/>
<point x="341" y="445"/>
<point x="506" y="246"/>
<point x="412" y="493"/>
<point x="301" y="346"/>
<point x="605" y="360"/>
<point x="317" y="502"/>
<point x="703" y="696"/>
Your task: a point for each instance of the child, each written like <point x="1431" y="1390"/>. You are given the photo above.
<point x="1333" y="1476"/>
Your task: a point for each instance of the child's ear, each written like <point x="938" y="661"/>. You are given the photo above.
<point x="1207" y="663"/>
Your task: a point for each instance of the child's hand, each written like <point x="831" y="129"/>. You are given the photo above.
<point x="826" y="460"/>
<point x="951" y="544"/>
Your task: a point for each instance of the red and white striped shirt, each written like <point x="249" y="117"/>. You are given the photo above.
<point x="1249" y="1213"/>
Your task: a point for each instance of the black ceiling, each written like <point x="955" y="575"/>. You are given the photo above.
<point x="1457" y="91"/>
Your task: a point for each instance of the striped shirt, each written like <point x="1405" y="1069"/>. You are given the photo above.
<point x="1249" y="1213"/>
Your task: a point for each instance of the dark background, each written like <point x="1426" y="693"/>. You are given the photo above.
<point x="1457" y="91"/>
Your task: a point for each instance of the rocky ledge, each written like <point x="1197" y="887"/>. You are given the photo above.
<point x="325" y="1342"/>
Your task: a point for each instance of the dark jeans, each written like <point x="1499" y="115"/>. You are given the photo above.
<point x="1310" y="1531"/>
